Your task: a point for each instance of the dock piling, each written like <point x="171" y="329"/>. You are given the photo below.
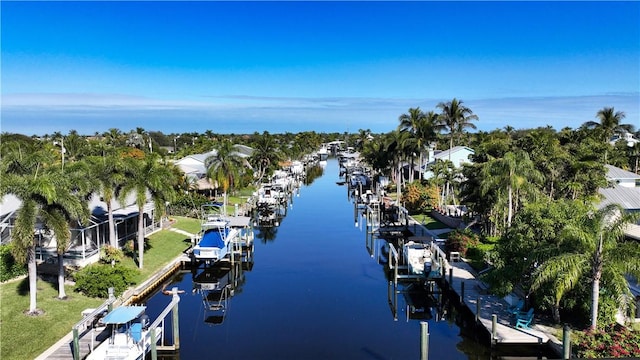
<point x="566" y="342"/>
<point x="76" y="343"/>
<point x="478" y="307"/>
<point x="153" y="350"/>
<point x="494" y="328"/>
<point x="176" y="325"/>
<point x="451" y="277"/>
<point x="424" y="340"/>
<point x="462" y="292"/>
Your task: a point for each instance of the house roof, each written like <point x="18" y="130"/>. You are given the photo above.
<point x="615" y="173"/>
<point x="193" y="165"/>
<point x="456" y="149"/>
<point x="627" y="197"/>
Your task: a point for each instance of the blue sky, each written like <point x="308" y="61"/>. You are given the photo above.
<point x="241" y="67"/>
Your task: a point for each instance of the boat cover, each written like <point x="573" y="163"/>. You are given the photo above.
<point x="123" y="314"/>
<point x="212" y="239"/>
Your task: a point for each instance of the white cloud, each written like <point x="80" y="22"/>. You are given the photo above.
<point x="88" y="113"/>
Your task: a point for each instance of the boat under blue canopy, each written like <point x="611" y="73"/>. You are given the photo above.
<point x="123" y="314"/>
<point x="213" y="238"/>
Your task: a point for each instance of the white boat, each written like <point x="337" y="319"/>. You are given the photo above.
<point x="323" y="153"/>
<point x="418" y="258"/>
<point x="130" y="337"/>
<point x="216" y="236"/>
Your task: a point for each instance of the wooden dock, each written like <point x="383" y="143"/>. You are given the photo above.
<point x="459" y="277"/>
<point x="483" y="306"/>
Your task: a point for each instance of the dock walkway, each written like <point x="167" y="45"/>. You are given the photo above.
<point x="474" y="292"/>
<point x="458" y="273"/>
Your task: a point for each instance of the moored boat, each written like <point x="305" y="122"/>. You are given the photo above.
<point x="418" y="258"/>
<point x="130" y="337"/>
<point x="215" y="237"/>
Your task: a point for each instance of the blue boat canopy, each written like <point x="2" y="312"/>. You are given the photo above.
<point x="123" y="314"/>
<point x="212" y="238"/>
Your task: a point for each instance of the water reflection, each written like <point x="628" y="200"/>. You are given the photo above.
<point x="313" y="290"/>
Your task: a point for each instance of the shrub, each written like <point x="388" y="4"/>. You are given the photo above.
<point x="9" y="267"/>
<point x="461" y="240"/>
<point x="418" y="197"/>
<point x="612" y="341"/>
<point x="95" y="280"/>
<point x="109" y="253"/>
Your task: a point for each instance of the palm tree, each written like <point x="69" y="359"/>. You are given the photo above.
<point x="608" y="123"/>
<point x="71" y="205"/>
<point x="513" y="172"/>
<point x="597" y="255"/>
<point x="443" y="171"/>
<point x="45" y="197"/>
<point x="225" y="167"/>
<point x="455" y="118"/>
<point x="265" y="155"/>
<point x="422" y="127"/>
<point x="152" y="177"/>
<point x="109" y="173"/>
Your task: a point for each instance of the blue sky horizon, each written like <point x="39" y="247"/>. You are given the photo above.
<point x="244" y="67"/>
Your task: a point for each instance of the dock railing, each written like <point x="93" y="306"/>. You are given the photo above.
<point x="89" y="322"/>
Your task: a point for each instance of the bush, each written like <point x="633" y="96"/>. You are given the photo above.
<point x="418" y="197"/>
<point x="95" y="280"/>
<point x="612" y="341"/>
<point x="109" y="253"/>
<point x="9" y="267"/>
<point x="461" y="240"/>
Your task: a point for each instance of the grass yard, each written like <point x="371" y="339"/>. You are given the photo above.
<point x="429" y="222"/>
<point x="187" y="224"/>
<point x="25" y="337"/>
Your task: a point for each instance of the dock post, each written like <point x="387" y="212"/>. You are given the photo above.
<point x="424" y="340"/>
<point x="494" y="328"/>
<point x="462" y="292"/>
<point x="566" y="342"/>
<point x="153" y="350"/>
<point x="176" y="327"/>
<point x="478" y="307"/>
<point x="76" y="344"/>
<point x="111" y="298"/>
<point x="451" y="277"/>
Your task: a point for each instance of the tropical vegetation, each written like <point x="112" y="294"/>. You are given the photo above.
<point x="530" y="195"/>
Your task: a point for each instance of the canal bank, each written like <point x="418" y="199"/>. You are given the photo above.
<point x="491" y="314"/>
<point x="314" y="291"/>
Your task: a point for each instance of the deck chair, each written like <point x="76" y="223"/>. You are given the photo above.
<point x="523" y="319"/>
<point x="516" y="308"/>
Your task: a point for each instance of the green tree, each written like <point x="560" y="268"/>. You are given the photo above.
<point x="71" y="206"/>
<point x="45" y="197"/>
<point x="422" y="128"/>
<point x="598" y="255"/>
<point x="515" y="173"/>
<point x="455" y="118"/>
<point x="226" y="166"/>
<point x="608" y="123"/>
<point x="265" y="156"/>
<point x="109" y="174"/>
<point x="148" y="177"/>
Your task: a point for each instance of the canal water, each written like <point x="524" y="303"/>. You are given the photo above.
<point x="312" y="291"/>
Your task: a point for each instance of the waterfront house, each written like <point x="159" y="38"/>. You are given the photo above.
<point x="458" y="155"/>
<point x="86" y="239"/>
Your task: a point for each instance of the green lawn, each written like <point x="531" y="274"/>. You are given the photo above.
<point x="25" y="337"/>
<point x="187" y="224"/>
<point x="429" y="222"/>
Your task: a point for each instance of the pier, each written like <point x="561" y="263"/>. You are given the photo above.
<point x="455" y="275"/>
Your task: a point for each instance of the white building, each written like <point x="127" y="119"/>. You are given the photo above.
<point x="86" y="239"/>
<point x="458" y="155"/>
